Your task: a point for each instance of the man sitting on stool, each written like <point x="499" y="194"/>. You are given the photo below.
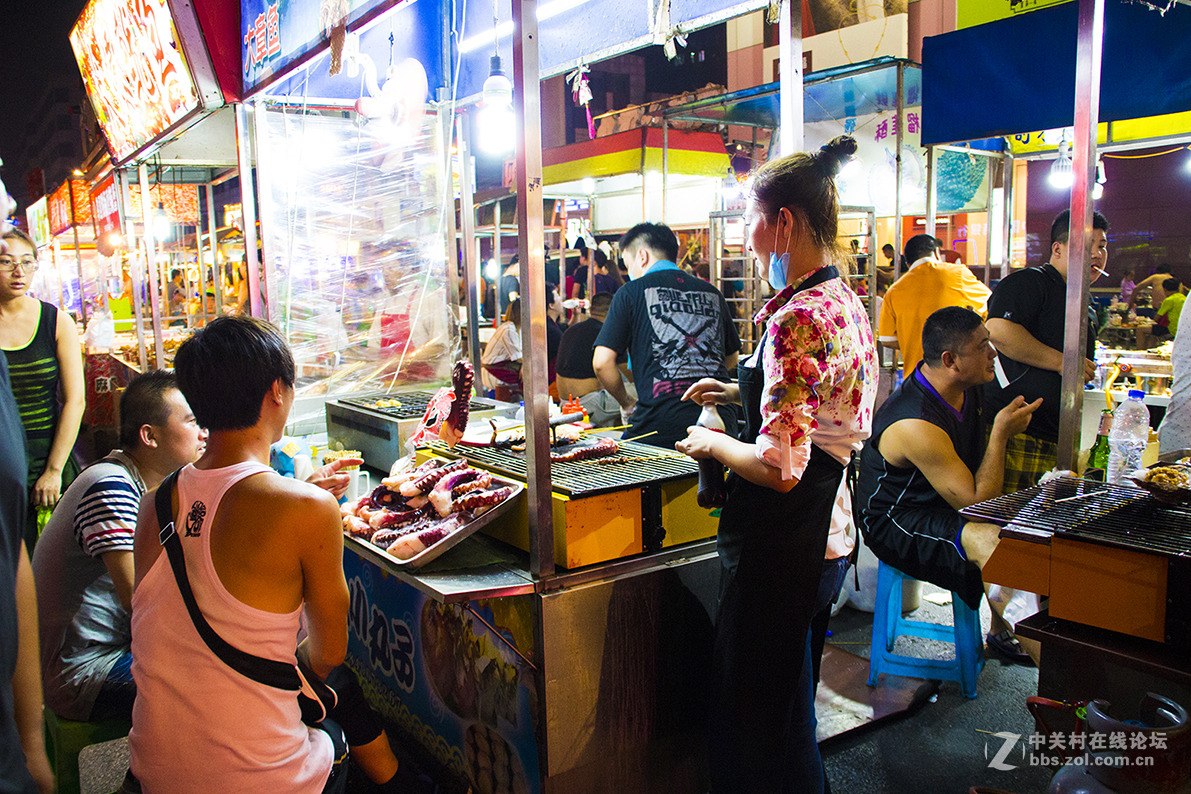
<point x="926" y="460"/>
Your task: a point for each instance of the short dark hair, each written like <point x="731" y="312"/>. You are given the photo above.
<point x="226" y="369"/>
<point x="601" y="259"/>
<point x="600" y="302"/>
<point x="175" y="273"/>
<point x="919" y="246"/>
<point x="1171" y="285"/>
<point x="888" y="248"/>
<point x="1060" y="230"/>
<point x="143" y="403"/>
<point x="657" y="237"/>
<point x="1162" y="268"/>
<point x="948" y="328"/>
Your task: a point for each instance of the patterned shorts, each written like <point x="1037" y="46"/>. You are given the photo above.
<point x="1026" y="459"/>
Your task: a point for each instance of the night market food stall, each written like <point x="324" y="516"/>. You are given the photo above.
<point x="1111" y="558"/>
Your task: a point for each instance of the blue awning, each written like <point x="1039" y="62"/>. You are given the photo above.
<point x="1018" y="75"/>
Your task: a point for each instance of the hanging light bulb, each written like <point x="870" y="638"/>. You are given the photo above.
<point x="1101" y="179"/>
<point x="495" y="119"/>
<point x="163" y="225"/>
<point x="1060" y="170"/>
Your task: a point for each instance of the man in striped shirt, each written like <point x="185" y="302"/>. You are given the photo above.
<point x="83" y="561"/>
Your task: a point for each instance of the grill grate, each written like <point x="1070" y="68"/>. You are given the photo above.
<point x="1111" y="515"/>
<point x="413" y="404"/>
<point x="585" y="477"/>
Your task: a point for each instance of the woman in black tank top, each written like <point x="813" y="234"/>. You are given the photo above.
<point x="43" y="353"/>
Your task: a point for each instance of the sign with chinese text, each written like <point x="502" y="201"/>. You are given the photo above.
<point x="39" y="222"/>
<point x="131" y="60"/>
<point x="61" y="217"/>
<point x="977" y="12"/>
<point x="81" y="200"/>
<point x="105" y="203"/>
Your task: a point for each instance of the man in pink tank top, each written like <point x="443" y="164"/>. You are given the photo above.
<point x="261" y="551"/>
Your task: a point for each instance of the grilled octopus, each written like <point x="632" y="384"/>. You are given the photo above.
<point x="600" y="449"/>
<point x="481" y="501"/>
<point x="453" y="427"/>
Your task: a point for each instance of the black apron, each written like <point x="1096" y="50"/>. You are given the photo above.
<point x="771" y="547"/>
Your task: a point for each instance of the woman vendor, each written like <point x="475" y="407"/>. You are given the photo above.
<point x="808" y="392"/>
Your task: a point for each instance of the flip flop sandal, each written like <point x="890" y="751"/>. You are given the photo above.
<point x="1005" y="645"/>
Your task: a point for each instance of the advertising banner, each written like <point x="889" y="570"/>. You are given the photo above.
<point x="447" y="677"/>
<point x="180" y="202"/>
<point x="105" y="206"/>
<point x="132" y="62"/>
<point x="61" y="216"/>
<point x="39" y="222"/>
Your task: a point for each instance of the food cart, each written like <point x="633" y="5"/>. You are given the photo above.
<point x="1110" y="557"/>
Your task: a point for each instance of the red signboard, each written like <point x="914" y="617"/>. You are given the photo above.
<point x="61" y="216"/>
<point x="105" y="206"/>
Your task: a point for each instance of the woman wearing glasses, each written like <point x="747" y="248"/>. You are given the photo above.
<point x="43" y="352"/>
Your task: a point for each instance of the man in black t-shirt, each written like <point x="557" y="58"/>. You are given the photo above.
<point x="676" y="329"/>
<point x="1027" y="321"/>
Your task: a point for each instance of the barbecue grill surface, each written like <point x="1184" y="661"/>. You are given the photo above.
<point x="1111" y="515"/>
<point x="413" y="404"/>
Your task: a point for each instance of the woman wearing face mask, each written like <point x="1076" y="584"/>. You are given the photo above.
<point x="42" y="347"/>
<point x="808" y="393"/>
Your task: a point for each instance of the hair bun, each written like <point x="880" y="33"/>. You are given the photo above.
<point x="836" y="152"/>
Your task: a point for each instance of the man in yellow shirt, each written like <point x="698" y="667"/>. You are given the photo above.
<point x="929" y="285"/>
<point x="1167" y="321"/>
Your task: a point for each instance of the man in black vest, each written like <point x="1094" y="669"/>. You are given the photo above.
<point x="926" y="459"/>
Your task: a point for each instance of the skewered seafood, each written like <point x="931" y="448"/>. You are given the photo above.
<point x="600" y="449"/>
<point x="482" y="501"/>
<point x="455" y="424"/>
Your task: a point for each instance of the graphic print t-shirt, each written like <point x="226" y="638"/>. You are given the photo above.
<point x="677" y="329"/>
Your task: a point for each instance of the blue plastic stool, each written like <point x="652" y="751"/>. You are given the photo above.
<point x="888" y="625"/>
<point x="65" y="739"/>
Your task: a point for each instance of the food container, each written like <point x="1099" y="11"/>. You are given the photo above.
<point x="1175" y="488"/>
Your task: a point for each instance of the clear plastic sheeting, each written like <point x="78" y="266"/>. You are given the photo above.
<point x="353" y="218"/>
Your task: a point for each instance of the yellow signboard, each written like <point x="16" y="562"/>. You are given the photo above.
<point x="969" y="13"/>
<point x="1170" y="125"/>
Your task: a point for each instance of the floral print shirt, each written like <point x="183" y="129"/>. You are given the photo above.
<point x="820" y="367"/>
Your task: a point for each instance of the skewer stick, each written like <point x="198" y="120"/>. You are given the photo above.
<point x="1081" y="496"/>
<point x="606" y="429"/>
<point x="638" y="438"/>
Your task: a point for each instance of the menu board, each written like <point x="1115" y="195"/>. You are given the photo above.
<point x="38" y="217"/>
<point x="131" y="60"/>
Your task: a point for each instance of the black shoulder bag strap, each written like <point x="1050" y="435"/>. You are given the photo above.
<point x="270" y="672"/>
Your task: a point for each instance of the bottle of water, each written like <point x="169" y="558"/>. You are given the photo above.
<point x="1128" y="438"/>
<point x="711" y="491"/>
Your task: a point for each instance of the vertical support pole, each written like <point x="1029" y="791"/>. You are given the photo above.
<point x="790" y="76"/>
<point x="991" y="164"/>
<point x="151" y="262"/>
<point x="500" y="265"/>
<point x="898" y="243"/>
<point x="931" y="192"/>
<point x="471" y="259"/>
<point x="248" y="205"/>
<point x="527" y="105"/>
<point x="665" y="168"/>
<point x="78" y="260"/>
<point x="446" y="134"/>
<point x="1087" y="113"/>
<point x="135" y="271"/>
<point x="213" y="228"/>
<point x="1007" y="228"/>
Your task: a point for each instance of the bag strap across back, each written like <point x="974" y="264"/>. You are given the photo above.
<point x="270" y="672"/>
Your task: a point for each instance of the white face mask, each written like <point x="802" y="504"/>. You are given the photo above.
<point x="779" y="266"/>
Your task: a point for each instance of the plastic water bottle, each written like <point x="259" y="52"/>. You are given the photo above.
<point x="1129" y="436"/>
<point x="711" y="491"/>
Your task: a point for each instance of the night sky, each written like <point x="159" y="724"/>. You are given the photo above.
<point x="33" y="44"/>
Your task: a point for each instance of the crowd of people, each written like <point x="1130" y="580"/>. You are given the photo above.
<point x="249" y="554"/>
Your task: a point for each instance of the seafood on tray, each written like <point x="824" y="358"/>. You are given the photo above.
<point x="416" y="507"/>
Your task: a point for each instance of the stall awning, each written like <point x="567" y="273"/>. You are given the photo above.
<point x="1017" y="75"/>
<point x="637" y="151"/>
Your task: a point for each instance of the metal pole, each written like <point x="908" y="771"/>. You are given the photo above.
<point x="446" y="132"/>
<point x="1007" y="228"/>
<point x="216" y="278"/>
<point x="471" y="259"/>
<point x="248" y="206"/>
<point x="665" y="166"/>
<point x="527" y="105"/>
<point x="78" y="259"/>
<point x="1087" y="111"/>
<point x="931" y="189"/>
<point x="897" y="175"/>
<point x="990" y="164"/>
<point x="500" y="265"/>
<point x="151" y="262"/>
<point x="790" y="76"/>
<point x="135" y="272"/>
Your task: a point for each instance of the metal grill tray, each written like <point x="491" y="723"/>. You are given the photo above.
<point x="1111" y="515"/>
<point x="434" y="552"/>
<point x="413" y="403"/>
<point x="584" y="477"/>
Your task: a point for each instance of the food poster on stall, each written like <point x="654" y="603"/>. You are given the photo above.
<point x="962" y="179"/>
<point x="447" y="680"/>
